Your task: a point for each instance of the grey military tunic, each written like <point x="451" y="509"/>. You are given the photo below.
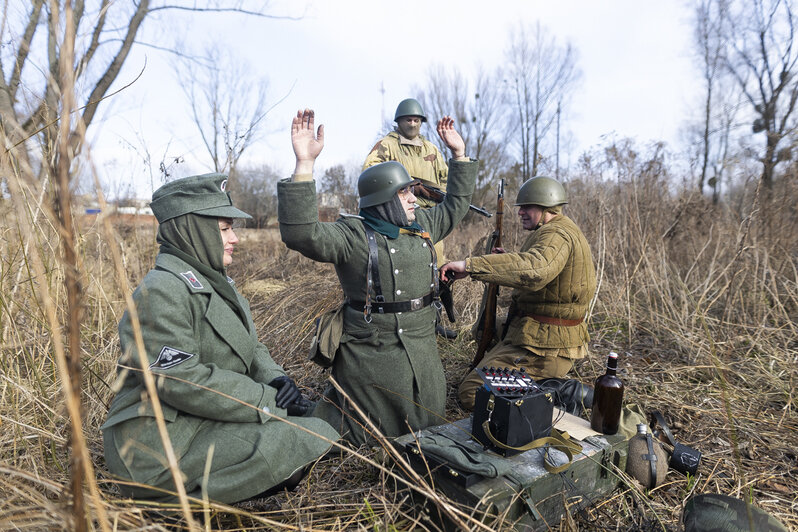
<point x="390" y="367"/>
<point x="211" y="374"/>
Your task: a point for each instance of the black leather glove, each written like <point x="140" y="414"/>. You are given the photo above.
<point x="300" y="407"/>
<point x="287" y="392"/>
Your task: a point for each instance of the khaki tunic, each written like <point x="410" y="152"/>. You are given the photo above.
<point x="552" y="275"/>
<point x="198" y="350"/>
<point x="422" y="160"/>
<point x="390" y="367"/>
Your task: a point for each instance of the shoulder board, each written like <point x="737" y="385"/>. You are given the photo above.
<point x="191" y="280"/>
<point x="347" y="215"/>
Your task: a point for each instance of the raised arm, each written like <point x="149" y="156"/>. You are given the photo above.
<point x="307" y="142"/>
<point x="451" y="137"/>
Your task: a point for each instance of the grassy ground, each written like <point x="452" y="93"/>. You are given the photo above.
<point x="700" y="301"/>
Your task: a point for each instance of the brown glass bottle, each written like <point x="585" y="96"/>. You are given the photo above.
<point x="607" y="399"/>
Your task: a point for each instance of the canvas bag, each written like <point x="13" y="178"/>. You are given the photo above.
<point x="327" y="338"/>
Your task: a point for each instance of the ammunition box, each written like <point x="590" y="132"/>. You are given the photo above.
<point x="529" y="498"/>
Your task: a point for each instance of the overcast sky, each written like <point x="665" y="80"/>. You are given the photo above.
<point x="639" y="77"/>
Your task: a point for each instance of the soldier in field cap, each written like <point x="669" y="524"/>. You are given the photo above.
<point x="223" y="397"/>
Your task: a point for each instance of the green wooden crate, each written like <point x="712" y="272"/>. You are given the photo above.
<point x="533" y="499"/>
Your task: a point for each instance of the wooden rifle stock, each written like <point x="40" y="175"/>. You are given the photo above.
<point x="487" y="320"/>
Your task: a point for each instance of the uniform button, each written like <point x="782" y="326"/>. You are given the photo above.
<point x="400" y="331"/>
<point x="398" y="313"/>
<point x="393" y="250"/>
<point x="423" y="245"/>
<point x="398" y="292"/>
<point x="432" y="285"/>
<point x="430" y="265"/>
<point x="396" y="271"/>
<point x="266" y="410"/>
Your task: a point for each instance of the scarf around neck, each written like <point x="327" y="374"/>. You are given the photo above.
<point x="197" y="241"/>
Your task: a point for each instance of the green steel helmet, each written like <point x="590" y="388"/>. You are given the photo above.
<point x="379" y="183"/>
<point x="713" y="512"/>
<point x="543" y="191"/>
<point x="409" y="107"/>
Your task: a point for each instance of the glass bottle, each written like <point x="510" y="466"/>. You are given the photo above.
<point x="607" y="399"/>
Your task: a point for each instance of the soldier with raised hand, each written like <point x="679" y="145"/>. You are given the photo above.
<point x="424" y="162"/>
<point x="553" y="281"/>
<point x="387" y="362"/>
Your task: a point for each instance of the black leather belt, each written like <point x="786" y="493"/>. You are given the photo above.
<point x="395" y="306"/>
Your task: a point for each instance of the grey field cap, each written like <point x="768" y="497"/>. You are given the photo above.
<point x="204" y="194"/>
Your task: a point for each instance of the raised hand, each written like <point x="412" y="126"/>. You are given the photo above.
<point x="450" y="136"/>
<point x="306" y="140"/>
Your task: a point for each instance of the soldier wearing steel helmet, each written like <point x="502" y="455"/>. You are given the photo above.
<point x="424" y="162"/>
<point x="553" y="281"/>
<point x="387" y="362"/>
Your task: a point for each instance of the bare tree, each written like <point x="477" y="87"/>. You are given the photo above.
<point x="476" y="107"/>
<point x="762" y="59"/>
<point x="540" y="75"/>
<point x="342" y="184"/>
<point x="228" y="104"/>
<point x="712" y="138"/>
<point x="105" y="33"/>
<point x="254" y="191"/>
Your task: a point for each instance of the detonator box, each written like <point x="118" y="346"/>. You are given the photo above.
<point x="510" y="410"/>
<point x="515" y="492"/>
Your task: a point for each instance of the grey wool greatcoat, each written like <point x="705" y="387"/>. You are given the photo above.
<point x="390" y="367"/>
<point x="197" y="346"/>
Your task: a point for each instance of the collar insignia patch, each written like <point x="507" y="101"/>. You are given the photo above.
<point x="192" y="280"/>
<point x="169" y="358"/>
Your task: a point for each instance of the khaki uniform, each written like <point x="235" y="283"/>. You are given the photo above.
<point x="552" y="276"/>
<point x="390" y="367"/>
<point x="211" y="374"/>
<point x="422" y="160"/>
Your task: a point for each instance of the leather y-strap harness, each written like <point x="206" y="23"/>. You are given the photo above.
<point x="375" y="300"/>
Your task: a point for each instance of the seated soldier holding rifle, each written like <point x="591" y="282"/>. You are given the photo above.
<point x="553" y="281"/>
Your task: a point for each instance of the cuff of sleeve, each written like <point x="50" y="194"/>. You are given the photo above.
<point x="462" y="176"/>
<point x="296" y="202"/>
<point x="301" y="177"/>
<point x="266" y="408"/>
<point x="468" y="265"/>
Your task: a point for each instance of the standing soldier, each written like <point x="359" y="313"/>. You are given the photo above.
<point x="387" y="362"/>
<point x="424" y="162"/>
<point x="554" y="279"/>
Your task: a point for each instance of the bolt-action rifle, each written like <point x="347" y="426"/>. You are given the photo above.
<point x="437" y="195"/>
<point x="486" y="323"/>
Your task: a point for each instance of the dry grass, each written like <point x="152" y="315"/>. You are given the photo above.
<point x="700" y="301"/>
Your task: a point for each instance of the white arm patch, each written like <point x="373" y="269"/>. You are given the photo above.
<point x="170" y="357"/>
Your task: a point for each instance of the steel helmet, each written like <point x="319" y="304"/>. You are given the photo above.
<point x="543" y="191"/>
<point x="409" y="107"/>
<point x="379" y="183"/>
